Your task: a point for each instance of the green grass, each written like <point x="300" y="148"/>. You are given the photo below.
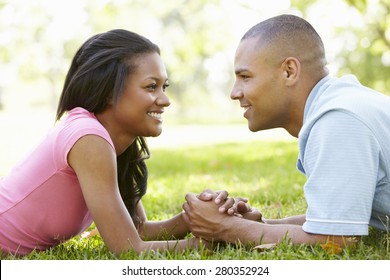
<point x="264" y="172"/>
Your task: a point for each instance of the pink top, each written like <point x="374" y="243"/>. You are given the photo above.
<point x="41" y="203"/>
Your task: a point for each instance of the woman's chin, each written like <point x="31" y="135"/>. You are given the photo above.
<point x="155" y="133"/>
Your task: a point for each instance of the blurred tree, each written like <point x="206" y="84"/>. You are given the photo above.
<point x="369" y="55"/>
<point x="302" y="5"/>
<point x="34" y="35"/>
<point x="39" y="38"/>
<point x="364" y="44"/>
<point x="194" y="32"/>
<point x="190" y="33"/>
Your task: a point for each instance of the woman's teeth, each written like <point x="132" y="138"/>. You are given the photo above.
<point x="155" y="115"/>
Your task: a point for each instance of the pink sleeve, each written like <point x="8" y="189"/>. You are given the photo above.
<point x="72" y="132"/>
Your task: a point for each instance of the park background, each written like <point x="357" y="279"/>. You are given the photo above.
<point x="205" y="140"/>
<point x="198" y="39"/>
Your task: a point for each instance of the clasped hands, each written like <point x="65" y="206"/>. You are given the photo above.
<point x="210" y="214"/>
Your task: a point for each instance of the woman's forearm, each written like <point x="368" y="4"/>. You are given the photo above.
<point x="174" y="227"/>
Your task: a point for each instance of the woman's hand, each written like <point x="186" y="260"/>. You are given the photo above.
<point x="243" y="209"/>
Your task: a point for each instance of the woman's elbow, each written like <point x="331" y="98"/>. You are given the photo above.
<point x="138" y="247"/>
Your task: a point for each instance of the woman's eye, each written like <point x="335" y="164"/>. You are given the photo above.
<point x="152" y="86"/>
<point x="155" y="86"/>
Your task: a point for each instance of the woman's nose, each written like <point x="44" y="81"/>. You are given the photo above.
<point x="163" y="100"/>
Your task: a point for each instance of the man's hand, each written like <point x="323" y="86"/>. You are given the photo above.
<point x="220" y="198"/>
<point x="204" y="218"/>
<point x="238" y="206"/>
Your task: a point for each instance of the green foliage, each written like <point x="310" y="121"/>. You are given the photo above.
<point x="41" y="49"/>
<point x="264" y="172"/>
<point x="197" y="39"/>
<point x="303" y="5"/>
<point x="369" y="58"/>
<point x="361" y="5"/>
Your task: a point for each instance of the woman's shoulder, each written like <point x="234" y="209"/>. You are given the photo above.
<point x="80" y="122"/>
<point x="79" y="113"/>
<point x="80" y="118"/>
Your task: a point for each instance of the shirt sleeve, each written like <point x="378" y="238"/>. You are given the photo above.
<point x="72" y="132"/>
<point x="341" y="161"/>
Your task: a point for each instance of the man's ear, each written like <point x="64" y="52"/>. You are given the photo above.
<point x="291" y="70"/>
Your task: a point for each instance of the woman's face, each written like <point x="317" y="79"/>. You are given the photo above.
<point x="138" y="111"/>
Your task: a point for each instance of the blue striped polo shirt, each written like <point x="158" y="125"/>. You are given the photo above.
<point x="344" y="151"/>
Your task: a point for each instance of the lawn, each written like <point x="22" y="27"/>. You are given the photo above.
<point x="264" y="172"/>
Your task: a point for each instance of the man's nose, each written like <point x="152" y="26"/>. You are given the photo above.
<point x="236" y="92"/>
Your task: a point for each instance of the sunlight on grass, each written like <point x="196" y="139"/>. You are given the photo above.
<point x="264" y="172"/>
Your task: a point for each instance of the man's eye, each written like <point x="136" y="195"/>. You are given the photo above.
<point x="165" y="87"/>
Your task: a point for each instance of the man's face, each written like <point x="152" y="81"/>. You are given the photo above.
<point x="259" y="86"/>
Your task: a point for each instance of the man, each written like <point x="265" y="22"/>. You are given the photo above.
<point x="343" y="131"/>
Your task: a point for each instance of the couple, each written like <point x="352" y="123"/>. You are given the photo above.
<point x="91" y="166"/>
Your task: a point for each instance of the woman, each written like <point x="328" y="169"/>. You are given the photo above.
<point x="91" y="165"/>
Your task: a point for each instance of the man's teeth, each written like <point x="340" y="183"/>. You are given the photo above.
<point x="155" y="115"/>
<point x="246" y="108"/>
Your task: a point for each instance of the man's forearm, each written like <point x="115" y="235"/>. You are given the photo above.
<point x="293" y="220"/>
<point x="254" y="233"/>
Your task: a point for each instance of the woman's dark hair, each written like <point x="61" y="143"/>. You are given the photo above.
<point x="97" y="76"/>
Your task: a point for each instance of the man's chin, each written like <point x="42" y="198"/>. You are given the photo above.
<point x="252" y="128"/>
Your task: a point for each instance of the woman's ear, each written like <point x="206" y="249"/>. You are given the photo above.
<point x="110" y="101"/>
<point x="291" y="70"/>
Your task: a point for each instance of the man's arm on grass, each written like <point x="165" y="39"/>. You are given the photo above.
<point x="206" y="221"/>
<point x="292" y="220"/>
<point x="251" y="232"/>
<point x="239" y="206"/>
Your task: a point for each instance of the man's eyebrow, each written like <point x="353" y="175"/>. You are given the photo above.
<point x="240" y="70"/>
